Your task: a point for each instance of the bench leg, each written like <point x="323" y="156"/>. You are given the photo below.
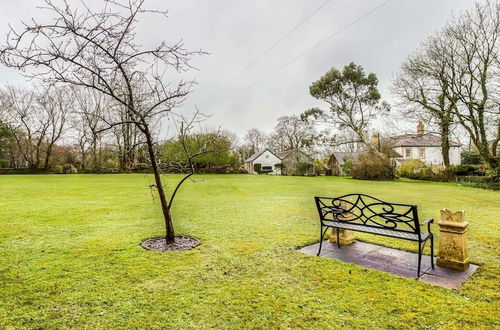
<point x="432" y="251"/>
<point x="338" y="237"/>
<point x="419" y="259"/>
<point x="322" y="234"/>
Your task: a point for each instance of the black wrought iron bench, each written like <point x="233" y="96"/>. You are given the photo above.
<point x="367" y="214"/>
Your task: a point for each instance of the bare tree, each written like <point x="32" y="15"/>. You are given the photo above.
<point x="56" y="106"/>
<point x="92" y="106"/>
<point x="97" y="49"/>
<point x="424" y="91"/>
<point x="28" y="122"/>
<point x="292" y="133"/>
<point x="256" y="140"/>
<point x="471" y="47"/>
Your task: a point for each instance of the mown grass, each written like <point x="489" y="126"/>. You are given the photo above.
<point x="70" y="256"/>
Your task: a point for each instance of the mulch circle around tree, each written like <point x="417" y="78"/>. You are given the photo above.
<point x="180" y="243"/>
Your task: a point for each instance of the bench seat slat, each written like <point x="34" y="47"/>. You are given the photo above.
<point x="380" y="231"/>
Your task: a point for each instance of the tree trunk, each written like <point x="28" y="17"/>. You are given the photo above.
<point x="169" y="228"/>
<point x="445" y="141"/>
<point x="47" y="156"/>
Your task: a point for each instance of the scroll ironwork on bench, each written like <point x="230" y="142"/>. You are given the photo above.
<point x="365" y="213"/>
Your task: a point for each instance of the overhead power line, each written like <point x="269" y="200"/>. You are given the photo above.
<point x="249" y="65"/>
<point x="357" y="20"/>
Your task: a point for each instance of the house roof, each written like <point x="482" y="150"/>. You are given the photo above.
<point x="417" y="140"/>
<point x="280" y="154"/>
<point x="257" y="154"/>
<point x="343" y="156"/>
<point x="283" y="154"/>
<point x="286" y="153"/>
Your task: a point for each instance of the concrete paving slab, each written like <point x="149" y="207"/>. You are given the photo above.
<point x="401" y="263"/>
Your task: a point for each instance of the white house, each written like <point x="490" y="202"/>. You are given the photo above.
<point x="422" y="146"/>
<point x="267" y="159"/>
<point x="289" y="162"/>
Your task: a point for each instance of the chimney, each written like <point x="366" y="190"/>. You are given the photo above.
<point x="420" y="128"/>
<point x="375" y="139"/>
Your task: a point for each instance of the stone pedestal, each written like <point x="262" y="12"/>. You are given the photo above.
<point x="346" y="237"/>
<point x="453" y="240"/>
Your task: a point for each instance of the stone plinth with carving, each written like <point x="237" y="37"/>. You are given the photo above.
<point x="453" y="240"/>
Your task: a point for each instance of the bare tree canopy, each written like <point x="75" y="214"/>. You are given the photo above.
<point x="470" y="48"/>
<point x="292" y="133"/>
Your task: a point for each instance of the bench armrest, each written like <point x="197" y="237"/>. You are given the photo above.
<point x="428" y="221"/>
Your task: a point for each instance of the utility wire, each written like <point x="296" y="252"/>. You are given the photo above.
<point x="305" y="52"/>
<point x="249" y="65"/>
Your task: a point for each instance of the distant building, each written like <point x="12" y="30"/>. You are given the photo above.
<point x="422" y="146"/>
<point x="290" y="162"/>
<point x="337" y="160"/>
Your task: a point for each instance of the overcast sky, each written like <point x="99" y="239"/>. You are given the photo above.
<point x="236" y="32"/>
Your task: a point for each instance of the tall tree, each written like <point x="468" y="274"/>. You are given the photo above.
<point x="424" y="91"/>
<point x="97" y="49"/>
<point x="353" y="100"/>
<point x="56" y="106"/>
<point x="291" y="132"/>
<point x="256" y="140"/>
<point x="471" y="47"/>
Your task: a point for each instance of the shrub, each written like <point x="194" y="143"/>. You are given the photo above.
<point x="58" y="169"/>
<point x="142" y="167"/>
<point x="373" y="166"/>
<point x="346" y="166"/>
<point x="471" y="158"/>
<point x="257" y="168"/>
<point x="69" y="169"/>
<point x="4" y="163"/>
<point x="279" y="167"/>
<point x="303" y="168"/>
<point x="414" y="169"/>
<point x="466" y="169"/>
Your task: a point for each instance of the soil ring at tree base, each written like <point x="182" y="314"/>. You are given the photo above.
<point x="181" y="243"/>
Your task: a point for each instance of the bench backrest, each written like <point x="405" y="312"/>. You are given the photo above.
<point x="369" y="211"/>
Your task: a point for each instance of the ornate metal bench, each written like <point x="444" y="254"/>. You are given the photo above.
<point x="367" y="214"/>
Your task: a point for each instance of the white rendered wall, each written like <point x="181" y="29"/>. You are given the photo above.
<point x="432" y="155"/>
<point x="267" y="158"/>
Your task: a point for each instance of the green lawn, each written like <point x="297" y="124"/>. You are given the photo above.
<point x="70" y="256"/>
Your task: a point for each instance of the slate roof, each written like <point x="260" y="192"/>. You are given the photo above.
<point x="343" y="156"/>
<point x="416" y="140"/>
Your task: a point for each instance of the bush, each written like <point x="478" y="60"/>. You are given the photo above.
<point x="58" y="169"/>
<point x="346" y="166"/>
<point x="257" y="168"/>
<point x="303" y="168"/>
<point x="415" y="169"/>
<point x="466" y="169"/>
<point x="372" y="166"/>
<point x="69" y="169"/>
<point x="4" y="163"/>
<point x="470" y="158"/>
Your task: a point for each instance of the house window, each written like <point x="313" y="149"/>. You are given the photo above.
<point x="421" y="152"/>
<point x="408" y="153"/>
<point x="267" y="168"/>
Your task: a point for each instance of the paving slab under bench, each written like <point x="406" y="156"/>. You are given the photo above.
<point x="392" y="261"/>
